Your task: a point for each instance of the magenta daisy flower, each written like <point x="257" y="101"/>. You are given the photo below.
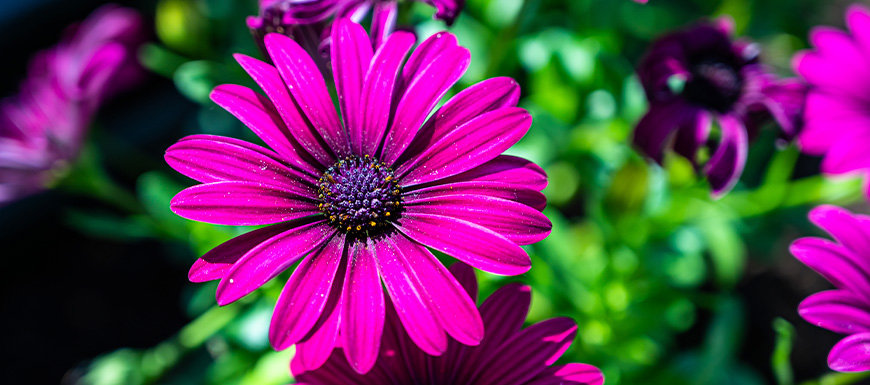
<point x="845" y="262"/>
<point x="698" y="76"/>
<point x="508" y="355"/>
<point x="837" y="114"/>
<point x="357" y="199"/>
<point x="42" y="128"/>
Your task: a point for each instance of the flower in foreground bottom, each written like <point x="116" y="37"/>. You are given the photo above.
<point x="506" y="356"/>
<point x="846" y="264"/>
<point x="837" y="114"/>
<point x="357" y="200"/>
<point x="701" y="75"/>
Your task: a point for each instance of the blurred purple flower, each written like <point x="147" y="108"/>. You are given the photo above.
<point x="307" y="21"/>
<point x="699" y="75"/>
<point x="846" y="264"/>
<point x="357" y="199"/>
<point x="838" y="104"/>
<point x="42" y="128"/>
<point x="508" y="355"/>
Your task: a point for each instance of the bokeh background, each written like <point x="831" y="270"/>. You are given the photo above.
<point x="668" y="285"/>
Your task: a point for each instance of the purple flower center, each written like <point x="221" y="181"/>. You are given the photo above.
<point x="714" y="84"/>
<point x="360" y="195"/>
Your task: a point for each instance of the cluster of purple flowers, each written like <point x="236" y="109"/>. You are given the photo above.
<point x="42" y="128"/>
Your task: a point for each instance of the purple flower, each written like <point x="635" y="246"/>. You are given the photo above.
<point x="508" y="355"/>
<point x="42" y="128"/>
<point x="357" y="199"/>
<point x="845" y="263"/>
<point x="838" y="104"/>
<point x="698" y="76"/>
<point x="307" y="20"/>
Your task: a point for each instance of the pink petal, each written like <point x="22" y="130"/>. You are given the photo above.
<point x="351" y="56"/>
<point x="852" y="231"/>
<point x="852" y="354"/>
<point x="570" y="374"/>
<point x="309" y="141"/>
<point x="726" y="165"/>
<point x="507" y="169"/>
<point x="363" y="314"/>
<point x="242" y="203"/>
<point x="833" y="262"/>
<point x="469" y="146"/>
<point x="467" y="242"/>
<point x="269" y="259"/>
<point x="837" y="310"/>
<point x="218" y="261"/>
<point x="515" y="221"/>
<point x="305" y="295"/>
<point x="308" y="88"/>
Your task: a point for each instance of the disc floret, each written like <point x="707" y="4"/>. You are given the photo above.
<point x="359" y="195"/>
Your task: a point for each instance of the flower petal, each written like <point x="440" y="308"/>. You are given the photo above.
<point x="725" y="167"/>
<point x="420" y="97"/>
<point x="654" y="129"/>
<point x="378" y="93"/>
<point x="308" y="88"/>
<point x="852" y="231"/>
<point x="384" y="21"/>
<point x="315" y="350"/>
<point x="469" y="146"/>
<point x="507" y="169"/>
<point x="257" y="113"/>
<point x="465" y="276"/>
<point x="409" y="296"/>
<point x="852" y="354"/>
<point x="570" y="374"/>
<point x="351" y="56"/>
<point x="839" y="311"/>
<point x="305" y="295"/>
<point x="242" y="203"/>
<point x="270" y="258"/>
<point x="833" y="262"/>
<point x="298" y="128"/>
<point x="467" y="242"/>
<point x="528" y="353"/>
<point x="363" y="313"/>
<point x="515" y="221"/>
<point x="488" y="95"/>
<point x="208" y="158"/>
<point x="218" y="261"/>
<point x="428" y="50"/>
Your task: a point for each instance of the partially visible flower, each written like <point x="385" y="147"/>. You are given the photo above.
<point x="698" y="76"/>
<point x="41" y="128"/>
<point x="357" y="197"/>
<point x="508" y="354"/>
<point x="307" y="21"/>
<point x="838" y="104"/>
<point x="845" y="262"/>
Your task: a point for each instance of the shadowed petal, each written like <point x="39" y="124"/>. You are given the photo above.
<point x="305" y="295"/>
<point x="208" y="158"/>
<point x="268" y="78"/>
<point x="724" y="168"/>
<point x="515" y="221"/>
<point x="465" y="276"/>
<point x="308" y="88"/>
<point x="242" y="203"/>
<point x="852" y="354"/>
<point x="469" y="146"/>
<point x="467" y="242"/>
<point x="838" y="311"/>
<point x="269" y="259"/>
<point x="363" y="314"/>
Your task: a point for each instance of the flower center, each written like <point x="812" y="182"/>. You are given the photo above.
<point x="360" y="195"/>
<point x="714" y="84"/>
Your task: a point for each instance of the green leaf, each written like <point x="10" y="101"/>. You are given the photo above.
<point x="782" y="352"/>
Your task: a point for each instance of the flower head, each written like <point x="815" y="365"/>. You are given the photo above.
<point x="845" y="262"/>
<point x="698" y="76"/>
<point x="41" y="128"/>
<point x="358" y="199"/>
<point x="508" y="355"/>
<point x="837" y="114"/>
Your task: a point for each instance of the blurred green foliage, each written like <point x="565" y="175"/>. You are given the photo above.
<point x="637" y="250"/>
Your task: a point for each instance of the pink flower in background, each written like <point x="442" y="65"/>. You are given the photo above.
<point x="307" y="20"/>
<point x="838" y="104"/>
<point x="700" y="75"/>
<point x="508" y="355"/>
<point x="358" y="197"/>
<point x="845" y="262"/>
<point x="42" y="128"/>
